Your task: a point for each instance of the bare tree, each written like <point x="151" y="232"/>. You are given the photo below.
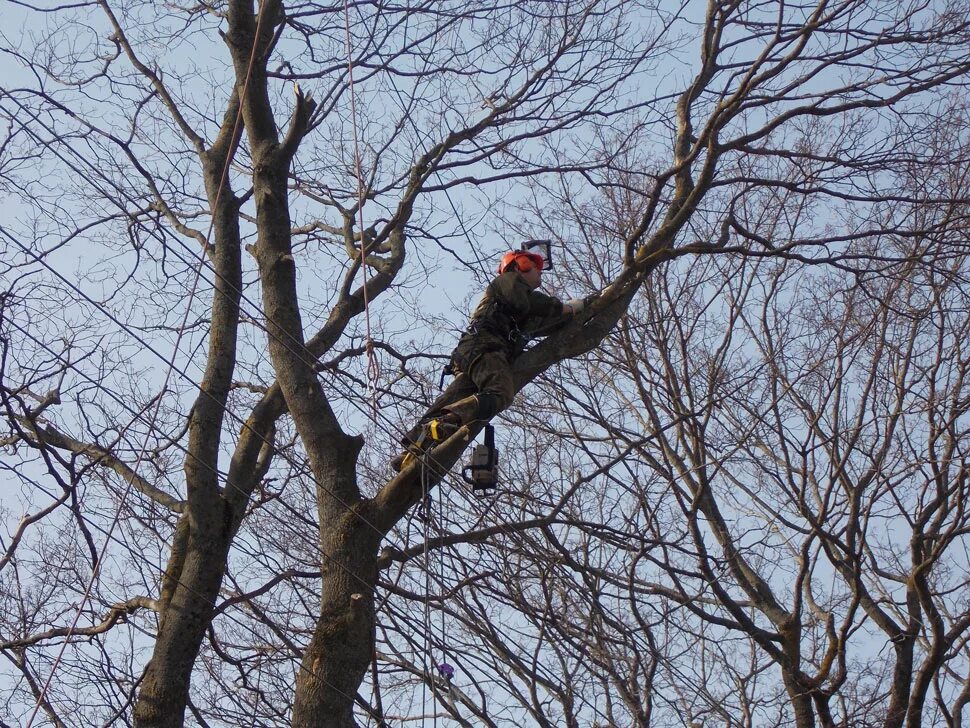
<point x="797" y="439"/>
<point x="180" y="140"/>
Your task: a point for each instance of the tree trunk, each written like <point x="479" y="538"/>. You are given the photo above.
<point x="342" y="645"/>
<point x="197" y="562"/>
<point x="801" y="701"/>
<point x="902" y="680"/>
<point x="165" y="686"/>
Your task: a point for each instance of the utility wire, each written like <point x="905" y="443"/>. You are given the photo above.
<point x="389" y="429"/>
<point x="171" y="366"/>
<point x="168" y="373"/>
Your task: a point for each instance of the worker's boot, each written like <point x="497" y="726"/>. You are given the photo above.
<point x="425" y="436"/>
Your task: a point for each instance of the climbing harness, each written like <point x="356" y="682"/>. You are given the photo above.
<point x="516" y="337"/>
<point x="481" y="473"/>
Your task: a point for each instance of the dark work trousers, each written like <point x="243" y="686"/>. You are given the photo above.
<point x="489" y="373"/>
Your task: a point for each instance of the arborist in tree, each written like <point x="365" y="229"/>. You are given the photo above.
<point x="510" y="313"/>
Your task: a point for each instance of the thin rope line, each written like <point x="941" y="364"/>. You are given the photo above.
<point x="168" y="375"/>
<point x="160" y="569"/>
<point x="430" y="637"/>
<point x="373" y="369"/>
<point x="441" y="609"/>
<point x="427" y="592"/>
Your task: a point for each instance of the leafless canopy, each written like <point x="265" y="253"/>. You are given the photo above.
<point x="237" y="239"/>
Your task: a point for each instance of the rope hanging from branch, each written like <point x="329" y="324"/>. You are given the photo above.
<point x="373" y="369"/>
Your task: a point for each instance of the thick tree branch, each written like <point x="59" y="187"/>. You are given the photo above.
<point x="118" y="614"/>
<point x="101" y="456"/>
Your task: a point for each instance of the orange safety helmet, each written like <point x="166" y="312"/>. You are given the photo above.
<point x="524" y="261"/>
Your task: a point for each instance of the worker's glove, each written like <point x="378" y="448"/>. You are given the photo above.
<point x="576" y="304"/>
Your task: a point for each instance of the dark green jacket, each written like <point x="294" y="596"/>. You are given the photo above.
<point x="508" y="314"/>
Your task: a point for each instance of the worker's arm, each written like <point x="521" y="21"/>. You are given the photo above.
<point x="538" y="309"/>
<point x="524" y="303"/>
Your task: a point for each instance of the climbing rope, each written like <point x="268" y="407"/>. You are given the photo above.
<point x="425" y="519"/>
<point x="428" y="665"/>
<point x="373" y="373"/>
<point x="442" y="668"/>
<point x="373" y="369"/>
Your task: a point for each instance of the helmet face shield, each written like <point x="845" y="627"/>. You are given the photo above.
<point x="542" y="248"/>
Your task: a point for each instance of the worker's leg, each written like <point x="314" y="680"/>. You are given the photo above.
<point x="462" y="387"/>
<point x="478" y="394"/>
<point x="417" y="438"/>
<point x="491" y="376"/>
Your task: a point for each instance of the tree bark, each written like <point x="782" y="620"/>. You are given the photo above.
<point x="197" y="562"/>
<point x="165" y="686"/>
<point x="342" y="645"/>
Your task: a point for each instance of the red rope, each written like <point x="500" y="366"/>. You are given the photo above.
<point x="373" y="368"/>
